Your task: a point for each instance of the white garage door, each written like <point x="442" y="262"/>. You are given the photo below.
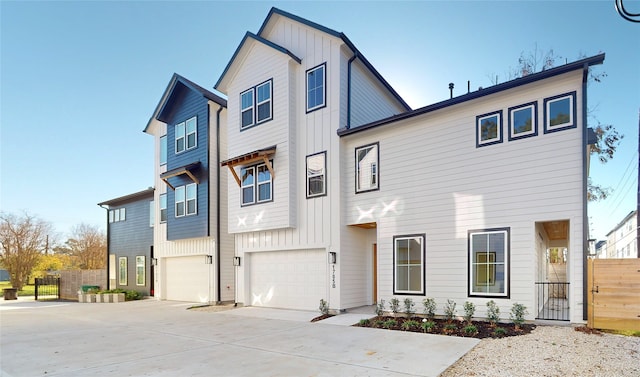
<point x="187" y="279"/>
<point x="288" y="279"/>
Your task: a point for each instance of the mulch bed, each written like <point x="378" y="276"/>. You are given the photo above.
<point x="455" y="328"/>
<point x="320" y="318"/>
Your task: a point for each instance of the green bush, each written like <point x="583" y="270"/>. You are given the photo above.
<point x="429" y="307"/>
<point x="450" y="310"/>
<point x="324" y="307"/>
<point x="499" y="331"/>
<point x="394" y="305"/>
<point x="410" y="324"/>
<point x="493" y="312"/>
<point x="409" y="306"/>
<point x="469" y="310"/>
<point x="390" y="323"/>
<point x="427" y="326"/>
<point x="364" y="322"/>
<point x="518" y="311"/>
<point x="470" y="329"/>
<point x="380" y="308"/>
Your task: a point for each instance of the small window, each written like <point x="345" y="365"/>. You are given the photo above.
<point x="263" y="94"/>
<point x="117" y="215"/>
<point x="163" y="150"/>
<point x="186" y="200"/>
<point x="367" y="159"/>
<point x="186" y="135"/>
<point x="122" y="271"/>
<point x="140" y="270"/>
<point x="256" y="184"/>
<point x="489" y="129"/>
<point x="163" y="208"/>
<point x="122" y="214"/>
<point x="111" y="216"/>
<point x="316" y="88"/>
<point x="489" y="263"/>
<point x="246" y="109"/>
<point x="523" y="121"/>
<point x="316" y="175"/>
<point x="408" y="260"/>
<point x="559" y="112"/>
<point x="152" y="213"/>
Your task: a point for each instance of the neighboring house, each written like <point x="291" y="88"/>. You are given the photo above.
<point x="130" y="242"/>
<point x="601" y="249"/>
<point x="622" y="241"/>
<point x="193" y="250"/>
<point x="337" y="190"/>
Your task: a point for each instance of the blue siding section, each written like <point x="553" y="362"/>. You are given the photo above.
<point x="133" y="237"/>
<point x="184" y="104"/>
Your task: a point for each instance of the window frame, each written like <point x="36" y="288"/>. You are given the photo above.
<point x="184" y="200"/>
<point x="184" y="135"/>
<point x="322" y="67"/>
<point x="255" y="104"/>
<point x="572" y="123"/>
<point x="152" y="213"/>
<point x="194" y="121"/>
<point x="123" y="277"/>
<point x="250" y="108"/>
<point x="163" y="207"/>
<point x="498" y="139"/>
<point x="358" y="169"/>
<point x="323" y="175"/>
<point x="471" y="276"/>
<point x="163" y="150"/>
<point x="533" y="106"/>
<point x="255" y="185"/>
<point x="422" y="238"/>
<point x="140" y="262"/>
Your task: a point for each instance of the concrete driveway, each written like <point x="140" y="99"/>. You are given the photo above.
<point x="163" y="338"/>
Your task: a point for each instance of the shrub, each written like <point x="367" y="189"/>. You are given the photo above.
<point x="410" y="324"/>
<point x="493" y="313"/>
<point x="518" y="311"/>
<point x="499" y="331"/>
<point x="324" y="307"/>
<point x="380" y="308"/>
<point x="429" y="307"/>
<point x="378" y="323"/>
<point x="394" y="305"/>
<point x="409" y="306"/>
<point x="390" y="323"/>
<point x="364" y="322"/>
<point x="131" y="295"/>
<point x="450" y="328"/>
<point x="427" y="326"/>
<point x="469" y="310"/>
<point x="450" y="310"/>
<point x="470" y="329"/>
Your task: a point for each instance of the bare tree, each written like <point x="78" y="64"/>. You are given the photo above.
<point x="88" y="245"/>
<point x="22" y="242"/>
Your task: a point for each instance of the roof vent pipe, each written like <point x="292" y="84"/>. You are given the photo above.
<point x="451" y="90"/>
<point x="468" y="86"/>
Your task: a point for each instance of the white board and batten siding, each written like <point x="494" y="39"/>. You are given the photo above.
<point x="435" y="181"/>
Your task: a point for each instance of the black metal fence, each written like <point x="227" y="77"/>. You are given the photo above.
<point x="47" y="288"/>
<point x="553" y="301"/>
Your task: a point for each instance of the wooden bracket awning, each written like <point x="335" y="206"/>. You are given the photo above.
<point x="187" y="170"/>
<point x="247" y="158"/>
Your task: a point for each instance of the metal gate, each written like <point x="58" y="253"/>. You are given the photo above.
<point x="47" y="288"/>
<point x="553" y="303"/>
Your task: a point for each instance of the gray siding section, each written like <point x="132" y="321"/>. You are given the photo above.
<point x="133" y="237"/>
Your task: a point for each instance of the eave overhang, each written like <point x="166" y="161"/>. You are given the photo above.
<point x="148" y="193"/>
<point x="247" y="158"/>
<point x="187" y="170"/>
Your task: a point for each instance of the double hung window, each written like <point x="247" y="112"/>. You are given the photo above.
<point x="186" y="135"/>
<point x="408" y="260"/>
<point x="256" y="105"/>
<point x="489" y="263"/>
<point x="256" y="185"/>
<point x="316" y="175"/>
<point x="316" y="88"/>
<point x="186" y="200"/>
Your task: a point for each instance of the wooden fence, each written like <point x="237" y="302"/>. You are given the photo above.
<point x="614" y="294"/>
<point x="71" y="281"/>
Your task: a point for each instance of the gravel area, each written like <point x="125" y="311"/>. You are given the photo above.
<point x="552" y="351"/>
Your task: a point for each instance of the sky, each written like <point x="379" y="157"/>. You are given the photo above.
<point x="80" y="80"/>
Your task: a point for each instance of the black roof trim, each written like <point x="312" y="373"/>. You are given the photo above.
<point x="126" y="198"/>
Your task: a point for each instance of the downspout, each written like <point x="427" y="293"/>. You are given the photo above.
<point x="585" y="217"/>
<point x="107" y="209"/>
<point x="218" y="258"/>
<point x="355" y="55"/>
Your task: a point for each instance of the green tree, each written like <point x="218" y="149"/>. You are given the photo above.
<point x="22" y="242"/>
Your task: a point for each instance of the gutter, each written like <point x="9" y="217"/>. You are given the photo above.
<point x="218" y="258"/>
<point x="108" y="242"/>
<point x="355" y="55"/>
<point x="585" y="217"/>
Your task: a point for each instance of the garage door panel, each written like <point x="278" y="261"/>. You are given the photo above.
<point x="288" y="279"/>
<point x="187" y="279"/>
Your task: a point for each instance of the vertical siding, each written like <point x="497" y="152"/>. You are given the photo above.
<point x="434" y="180"/>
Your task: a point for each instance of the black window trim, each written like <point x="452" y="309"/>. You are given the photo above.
<point x="326" y="179"/>
<point x="507" y="287"/>
<point x="355" y="155"/>
<point x="254" y="90"/>
<point x="424" y="264"/>
<point x="306" y="87"/>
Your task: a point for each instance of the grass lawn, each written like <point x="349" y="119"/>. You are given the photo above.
<point x="27" y="290"/>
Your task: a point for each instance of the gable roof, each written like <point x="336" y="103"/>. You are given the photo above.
<point x="275" y="12"/>
<point x="580" y="64"/>
<point x="243" y="49"/>
<point x="168" y="97"/>
<point x="621" y="223"/>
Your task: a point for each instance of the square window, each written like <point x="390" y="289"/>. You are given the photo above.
<point x="367" y="160"/>
<point x="489" y="263"/>
<point x="523" y="121"/>
<point x="489" y="129"/>
<point x="560" y="112"/>
<point x="316" y="88"/>
<point x="408" y="264"/>
<point x="316" y="175"/>
<point x="246" y="109"/>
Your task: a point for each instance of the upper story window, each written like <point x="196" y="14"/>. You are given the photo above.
<point x="163" y="149"/>
<point x="367" y="160"/>
<point x="116" y="215"/>
<point x="186" y="135"/>
<point x="256" y="105"/>
<point x="559" y="112"/>
<point x="186" y="200"/>
<point x="523" y="121"/>
<point x="489" y="129"/>
<point x="489" y="263"/>
<point x="163" y="208"/>
<point x="408" y="260"/>
<point x="316" y="88"/>
<point x="256" y="184"/>
<point x="152" y="213"/>
<point x="316" y="175"/>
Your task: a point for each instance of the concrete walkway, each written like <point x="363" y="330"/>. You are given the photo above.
<point x="163" y="338"/>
